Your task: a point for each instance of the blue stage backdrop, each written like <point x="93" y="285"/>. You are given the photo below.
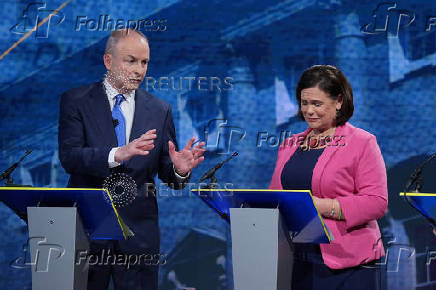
<point x="229" y="70"/>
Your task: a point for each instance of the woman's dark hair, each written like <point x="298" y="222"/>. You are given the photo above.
<point x="331" y="81"/>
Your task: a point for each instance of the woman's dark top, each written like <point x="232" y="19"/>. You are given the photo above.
<point x="297" y="174"/>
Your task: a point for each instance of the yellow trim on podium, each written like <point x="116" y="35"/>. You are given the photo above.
<point x="47" y="188"/>
<point x="230" y="189"/>
<point x="417" y="194"/>
<point x="123" y="226"/>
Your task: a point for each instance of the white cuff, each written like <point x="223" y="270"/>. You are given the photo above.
<point x="181" y="178"/>
<point x="111" y="159"/>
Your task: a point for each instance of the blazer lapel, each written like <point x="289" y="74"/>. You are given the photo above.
<point x="101" y="113"/>
<point x="324" y="159"/>
<point x="142" y="117"/>
<point x="286" y="150"/>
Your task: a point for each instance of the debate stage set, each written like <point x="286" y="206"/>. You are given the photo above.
<point x="304" y="145"/>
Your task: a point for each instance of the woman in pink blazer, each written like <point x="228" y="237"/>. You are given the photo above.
<point x="344" y="168"/>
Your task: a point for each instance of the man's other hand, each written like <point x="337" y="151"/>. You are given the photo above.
<point x="188" y="158"/>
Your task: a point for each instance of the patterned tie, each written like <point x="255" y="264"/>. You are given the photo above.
<point x="120" y="128"/>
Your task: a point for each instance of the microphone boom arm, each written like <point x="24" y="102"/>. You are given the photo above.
<point x="7" y="173"/>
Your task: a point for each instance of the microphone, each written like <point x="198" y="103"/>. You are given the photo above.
<point x="415" y="177"/>
<point x="115" y="122"/>
<point x="211" y="172"/>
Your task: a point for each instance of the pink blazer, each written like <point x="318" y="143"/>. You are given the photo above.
<point x="354" y="173"/>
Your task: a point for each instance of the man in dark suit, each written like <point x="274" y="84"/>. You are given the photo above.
<point x="113" y="126"/>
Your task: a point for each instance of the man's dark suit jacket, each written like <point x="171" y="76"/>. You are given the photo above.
<point x="87" y="134"/>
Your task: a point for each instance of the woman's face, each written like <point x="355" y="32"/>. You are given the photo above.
<point x="319" y="110"/>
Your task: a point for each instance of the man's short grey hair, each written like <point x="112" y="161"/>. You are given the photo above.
<point x="116" y="35"/>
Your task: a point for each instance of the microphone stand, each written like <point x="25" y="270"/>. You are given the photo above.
<point x="7" y="173"/>
<point x="416" y="179"/>
<point x="210" y="174"/>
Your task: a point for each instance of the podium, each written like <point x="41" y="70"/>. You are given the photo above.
<point x="264" y="226"/>
<point x="61" y="222"/>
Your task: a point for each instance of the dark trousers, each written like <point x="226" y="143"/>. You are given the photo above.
<point x="310" y="272"/>
<point x="106" y="262"/>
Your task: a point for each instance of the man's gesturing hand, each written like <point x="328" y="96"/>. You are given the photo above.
<point x="187" y="159"/>
<point x="139" y="146"/>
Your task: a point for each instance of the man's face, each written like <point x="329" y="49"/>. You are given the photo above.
<point x="127" y="63"/>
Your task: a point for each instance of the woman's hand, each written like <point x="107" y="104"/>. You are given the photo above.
<point x="328" y="208"/>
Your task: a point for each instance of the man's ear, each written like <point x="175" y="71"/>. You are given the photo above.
<point x="107" y="59"/>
